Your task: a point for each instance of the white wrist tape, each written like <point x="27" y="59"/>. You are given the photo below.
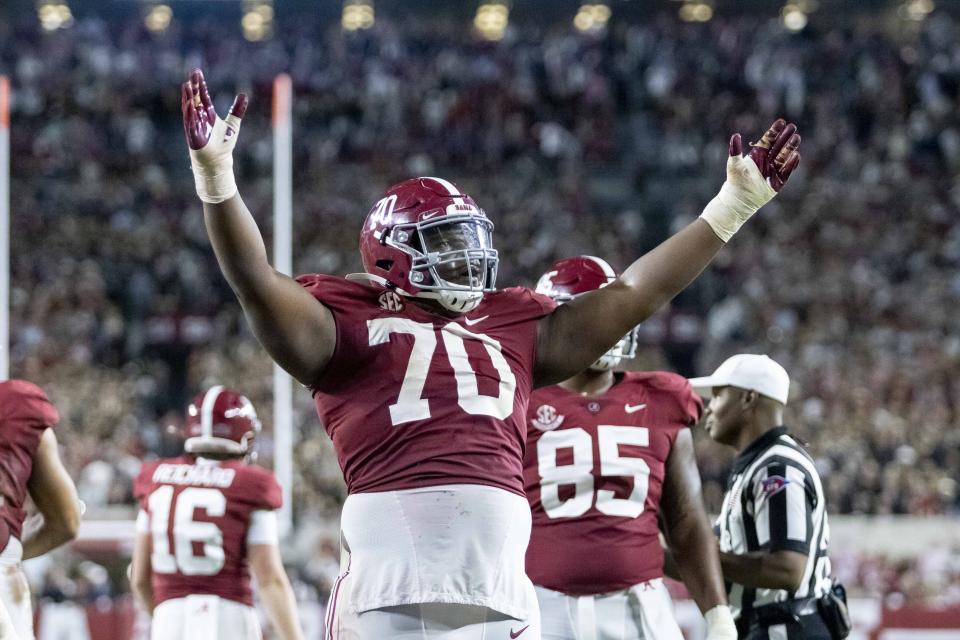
<point x="720" y="625"/>
<point x="743" y="193"/>
<point x="213" y="164"/>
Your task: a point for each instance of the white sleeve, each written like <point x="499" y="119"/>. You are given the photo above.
<point x="263" y="528"/>
<point x="143" y="522"/>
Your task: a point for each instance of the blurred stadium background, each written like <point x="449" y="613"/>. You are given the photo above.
<point x="581" y="128"/>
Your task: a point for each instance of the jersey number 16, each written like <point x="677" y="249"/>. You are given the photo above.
<point x="185" y="531"/>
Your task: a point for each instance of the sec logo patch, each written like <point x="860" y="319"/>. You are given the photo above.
<point x="547" y="418"/>
<point x="391" y="301"/>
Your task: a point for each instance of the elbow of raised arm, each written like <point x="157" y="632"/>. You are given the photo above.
<point x="66" y="523"/>
<point x="69" y="528"/>
<point x="72" y="529"/>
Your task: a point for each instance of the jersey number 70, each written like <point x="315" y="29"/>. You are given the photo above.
<point x="410" y="405"/>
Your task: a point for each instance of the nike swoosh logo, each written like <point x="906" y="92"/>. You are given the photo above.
<point x="475" y="321"/>
<point x="516" y="634"/>
<point x="427" y="216"/>
<point x="633" y="408"/>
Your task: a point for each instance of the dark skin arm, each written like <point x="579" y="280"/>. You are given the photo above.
<point x="762" y="569"/>
<point x="296" y="330"/>
<point x="580" y="331"/>
<point x="687" y="528"/>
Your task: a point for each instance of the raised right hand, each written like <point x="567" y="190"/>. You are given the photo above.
<point x="211" y="139"/>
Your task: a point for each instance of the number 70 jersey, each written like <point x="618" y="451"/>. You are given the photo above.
<point x="594" y="473"/>
<point x="414" y="399"/>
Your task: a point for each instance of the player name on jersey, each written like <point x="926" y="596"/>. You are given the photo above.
<point x="193" y="475"/>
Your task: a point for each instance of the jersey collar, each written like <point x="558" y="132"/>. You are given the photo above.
<point x="757" y="447"/>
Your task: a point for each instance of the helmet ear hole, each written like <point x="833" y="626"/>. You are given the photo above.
<point x="386" y="265"/>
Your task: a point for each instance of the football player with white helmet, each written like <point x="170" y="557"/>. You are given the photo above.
<point x="422" y="371"/>
<point x="207" y="521"/>
<point x="609" y="454"/>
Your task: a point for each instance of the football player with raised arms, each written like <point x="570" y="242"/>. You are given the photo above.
<point x="609" y="454"/>
<point x="421" y="371"/>
<point x="29" y="465"/>
<point x="207" y="521"/>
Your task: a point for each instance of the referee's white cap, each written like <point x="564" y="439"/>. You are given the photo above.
<point x="758" y="373"/>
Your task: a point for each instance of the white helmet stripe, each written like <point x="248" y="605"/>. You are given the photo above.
<point x="607" y="269"/>
<point x="206" y="410"/>
<point x="451" y="190"/>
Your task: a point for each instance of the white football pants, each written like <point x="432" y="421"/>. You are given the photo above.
<point x="642" y="612"/>
<point x="16" y="621"/>
<point x="204" y="617"/>
<point x="431" y="621"/>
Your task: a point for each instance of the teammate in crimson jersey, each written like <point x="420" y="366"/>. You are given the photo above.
<point x="422" y="371"/>
<point x="608" y="454"/>
<point x="207" y="519"/>
<point x="29" y="464"/>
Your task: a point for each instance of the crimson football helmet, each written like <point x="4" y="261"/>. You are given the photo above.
<point x="427" y="239"/>
<point x="220" y="420"/>
<point x="569" y="278"/>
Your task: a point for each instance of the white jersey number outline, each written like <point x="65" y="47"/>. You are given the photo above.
<point x="410" y="404"/>
<point x="579" y="473"/>
<point x="186" y="531"/>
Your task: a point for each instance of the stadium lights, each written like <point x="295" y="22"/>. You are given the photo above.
<point x="54" y="15"/>
<point x="916" y="9"/>
<point x="257" y="21"/>
<point x="794" y="14"/>
<point x="696" y="11"/>
<point x="491" y="20"/>
<point x="592" y="17"/>
<point x="794" y="18"/>
<point x="357" y="15"/>
<point x="158" y="18"/>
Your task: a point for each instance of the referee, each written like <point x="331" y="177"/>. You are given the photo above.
<point x="773" y="528"/>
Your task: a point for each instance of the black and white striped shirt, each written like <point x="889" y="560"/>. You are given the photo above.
<point x="775" y="501"/>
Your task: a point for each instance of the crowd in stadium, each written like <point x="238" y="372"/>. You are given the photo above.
<point x="573" y="144"/>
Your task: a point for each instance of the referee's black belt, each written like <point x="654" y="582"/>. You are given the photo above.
<point x="768" y="615"/>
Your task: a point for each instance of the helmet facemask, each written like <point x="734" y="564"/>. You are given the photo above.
<point x="452" y="258"/>
<point x="625" y="349"/>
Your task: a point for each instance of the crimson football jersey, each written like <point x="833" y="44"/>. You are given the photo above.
<point x="594" y="470"/>
<point x="415" y="399"/>
<point x="199" y="513"/>
<point x="25" y="413"/>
